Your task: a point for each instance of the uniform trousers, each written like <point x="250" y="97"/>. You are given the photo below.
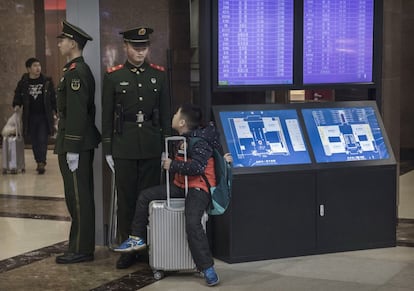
<point x="79" y="195"/>
<point x="196" y="203"/>
<point x="39" y="132"/>
<point x="132" y="176"/>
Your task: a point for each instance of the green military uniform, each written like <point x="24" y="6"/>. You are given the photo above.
<point x="135" y="119"/>
<point x="142" y="96"/>
<point x="77" y="133"/>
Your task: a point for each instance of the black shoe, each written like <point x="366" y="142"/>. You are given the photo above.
<point x="41" y="168"/>
<point x="71" y="258"/>
<point x="126" y="260"/>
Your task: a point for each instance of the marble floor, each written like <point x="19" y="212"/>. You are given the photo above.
<point x="34" y="226"/>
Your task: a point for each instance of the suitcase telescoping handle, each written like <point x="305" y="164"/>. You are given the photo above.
<point x="167" y="178"/>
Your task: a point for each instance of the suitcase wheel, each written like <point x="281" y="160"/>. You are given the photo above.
<point x="158" y="275"/>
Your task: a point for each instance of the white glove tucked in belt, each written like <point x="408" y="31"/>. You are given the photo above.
<point x="110" y="162"/>
<point x="73" y="161"/>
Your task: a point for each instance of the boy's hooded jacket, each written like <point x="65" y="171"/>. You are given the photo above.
<point x="199" y="159"/>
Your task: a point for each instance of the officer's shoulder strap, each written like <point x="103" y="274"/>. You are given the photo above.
<point x="115" y="68"/>
<point x="157" y="67"/>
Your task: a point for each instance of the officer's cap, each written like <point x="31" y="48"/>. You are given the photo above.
<point x="73" y="32"/>
<point x="138" y="36"/>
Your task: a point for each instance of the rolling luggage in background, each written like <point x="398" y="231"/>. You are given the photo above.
<point x="13" y="151"/>
<point x="167" y="238"/>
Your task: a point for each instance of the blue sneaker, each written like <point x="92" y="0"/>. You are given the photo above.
<point x="133" y="243"/>
<point x="210" y="276"/>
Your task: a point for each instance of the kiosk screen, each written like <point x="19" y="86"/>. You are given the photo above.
<point x="345" y="134"/>
<point x="264" y="138"/>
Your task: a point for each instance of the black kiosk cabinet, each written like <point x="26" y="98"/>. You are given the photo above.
<point x="307" y="178"/>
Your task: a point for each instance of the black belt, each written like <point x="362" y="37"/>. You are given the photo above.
<point x="138" y="117"/>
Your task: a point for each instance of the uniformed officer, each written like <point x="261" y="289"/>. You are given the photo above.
<point x="76" y="140"/>
<point x="135" y="119"/>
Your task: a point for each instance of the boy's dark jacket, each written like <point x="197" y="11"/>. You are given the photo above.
<point x="22" y="98"/>
<point x="199" y="153"/>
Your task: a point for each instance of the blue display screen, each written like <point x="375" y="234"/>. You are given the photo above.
<point x="338" y="41"/>
<point x="345" y="134"/>
<point x="255" y="42"/>
<point x="264" y="138"/>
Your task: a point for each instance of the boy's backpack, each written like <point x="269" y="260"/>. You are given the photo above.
<point x="221" y="193"/>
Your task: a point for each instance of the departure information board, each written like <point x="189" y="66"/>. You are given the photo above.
<point x="255" y="42"/>
<point x="264" y="137"/>
<point x="345" y="134"/>
<point x="338" y="41"/>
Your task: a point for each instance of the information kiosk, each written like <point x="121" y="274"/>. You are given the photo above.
<point x="307" y="178"/>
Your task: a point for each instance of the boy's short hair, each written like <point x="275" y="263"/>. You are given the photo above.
<point x="30" y="62"/>
<point x="192" y="114"/>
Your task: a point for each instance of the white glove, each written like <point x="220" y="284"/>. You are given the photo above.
<point x="110" y="162"/>
<point x="73" y="161"/>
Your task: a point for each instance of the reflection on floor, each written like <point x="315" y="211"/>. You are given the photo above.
<point x="37" y="207"/>
<point x="34" y="225"/>
<point x="405" y="232"/>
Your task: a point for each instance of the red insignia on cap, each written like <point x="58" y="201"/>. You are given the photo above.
<point x="116" y="68"/>
<point x="72" y="66"/>
<point x="157" y="67"/>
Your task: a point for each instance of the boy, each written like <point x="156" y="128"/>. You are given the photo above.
<point x="186" y="122"/>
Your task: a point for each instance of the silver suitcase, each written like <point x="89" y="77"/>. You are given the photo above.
<point x="13" y="152"/>
<point x="167" y="239"/>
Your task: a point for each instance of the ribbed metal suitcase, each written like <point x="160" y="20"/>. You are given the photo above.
<point x="167" y="239"/>
<point x="13" y="152"/>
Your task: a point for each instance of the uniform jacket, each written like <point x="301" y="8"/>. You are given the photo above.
<point x="199" y="160"/>
<point x="22" y="98"/>
<point x="76" y="108"/>
<point x="136" y="90"/>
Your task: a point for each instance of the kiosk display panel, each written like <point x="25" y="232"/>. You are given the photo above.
<point x="345" y="134"/>
<point x="264" y="137"/>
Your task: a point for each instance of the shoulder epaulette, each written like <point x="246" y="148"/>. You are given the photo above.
<point x="157" y="67"/>
<point x="113" y="69"/>
<point x="72" y="66"/>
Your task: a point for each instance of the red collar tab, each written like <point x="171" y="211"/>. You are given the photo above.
<point x="157" y="67"/>
<point x="116" y="68"/>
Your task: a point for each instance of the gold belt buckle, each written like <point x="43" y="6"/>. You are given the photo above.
<point x="140" y="117"/>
